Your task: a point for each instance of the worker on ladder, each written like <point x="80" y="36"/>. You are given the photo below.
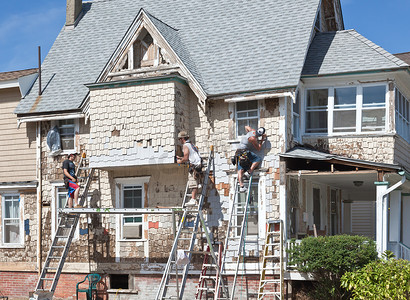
<point x="70" y="181"/>
<point x="191" y="156"/>
<point x="245" y="156"/>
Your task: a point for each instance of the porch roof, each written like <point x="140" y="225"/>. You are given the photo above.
<point x="311" y="154"/>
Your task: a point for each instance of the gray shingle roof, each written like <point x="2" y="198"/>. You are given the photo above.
<point x="346" y="51"/>
<point x="229" y="46"/>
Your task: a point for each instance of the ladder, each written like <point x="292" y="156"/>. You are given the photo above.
<point x="209" y="274"/>
<point x="234" y="242"/>
<point x="272" y="262"/>
<point x="172" y="282"/>
<point x="47" y="282"/>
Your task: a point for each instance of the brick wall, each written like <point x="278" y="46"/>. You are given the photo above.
<point x="19" y="285"/>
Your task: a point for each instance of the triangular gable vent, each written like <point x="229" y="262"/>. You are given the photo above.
<point x="144" y="52"/>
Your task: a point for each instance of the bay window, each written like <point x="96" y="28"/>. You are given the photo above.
<point x="352" y="109"/>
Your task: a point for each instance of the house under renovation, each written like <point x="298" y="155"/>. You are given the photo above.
<point x="124" y="77"/>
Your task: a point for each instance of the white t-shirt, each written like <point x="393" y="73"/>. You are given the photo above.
<point x="194" y="157"/>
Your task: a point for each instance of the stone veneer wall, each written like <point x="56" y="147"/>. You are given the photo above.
<point x="376" y="148"/>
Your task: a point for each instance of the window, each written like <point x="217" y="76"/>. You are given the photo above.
<point x="296" y="117"/>
<point x="334" y="212"/>
<point x="402" y="116"/>
<point x="67" y="134"/>
<point x="346" y="109"/>
<point x="344" y="113"/>
<point x="293" y="196"/>
<point x="131" y="193"/>
<point x="246" y="115"/>
<point x="374" y="108"/>
<point x="316" y="111"/>
<point x="11" y="222"/>
<point x="251" y="228"/>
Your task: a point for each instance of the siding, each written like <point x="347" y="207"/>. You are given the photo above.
<point x="364" y="218"/>
<point x="17" y="145"/>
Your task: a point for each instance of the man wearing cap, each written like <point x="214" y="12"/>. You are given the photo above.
<point x="70" y="180"/>
<point x="252" y="142"/>
<point x="191" y="156"/>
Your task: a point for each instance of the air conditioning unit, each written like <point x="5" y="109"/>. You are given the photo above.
<point x="132" y="231"/>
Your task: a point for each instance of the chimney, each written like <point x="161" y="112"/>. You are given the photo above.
<point x="74" y="8"/>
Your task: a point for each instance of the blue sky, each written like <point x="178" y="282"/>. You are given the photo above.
<point x="27" y="24"/>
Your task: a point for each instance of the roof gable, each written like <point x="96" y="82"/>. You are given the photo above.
<point x="228" y="47"/>
<point x="151" y="48"/>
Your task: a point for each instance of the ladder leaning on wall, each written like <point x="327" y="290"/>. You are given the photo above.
<point x="47" y="282"/>
<point x="234" y="243"/>
<point x="272" y="262"/>
<point x="172" y="282"/>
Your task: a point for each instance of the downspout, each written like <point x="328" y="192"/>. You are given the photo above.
<point x="385" y="208"/>
<point x="39" y="196"/>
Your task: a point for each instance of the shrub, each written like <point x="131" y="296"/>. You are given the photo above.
<point x="382" y="279"/>
<point x="328" y="258"/>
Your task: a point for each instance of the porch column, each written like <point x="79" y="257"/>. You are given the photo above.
<point x="381" y="216"/>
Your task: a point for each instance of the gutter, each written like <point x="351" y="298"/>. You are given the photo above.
<point x="29" y="119"/>
<point x="356" y="73"/>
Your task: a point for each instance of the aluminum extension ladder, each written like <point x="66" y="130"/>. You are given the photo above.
<point x="47" y="282"/>
<point x="272" y="262"/>
<point x="234" y="244"/>
<point x="174" y="279"/>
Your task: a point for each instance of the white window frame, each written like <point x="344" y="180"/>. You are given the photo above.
<point x="120" y="183"/>
<point x="20" y="244"/>
<point x="402" y="115"/>
<point x="296" y="116"/>
<point x="76" y="130"/>
<point x="54" y="210"/>
<point x="331" y="108"/>
<point x="257" y="117"/>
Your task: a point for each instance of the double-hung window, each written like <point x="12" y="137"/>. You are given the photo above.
<point x="353" y="109"/>
<point x="132" y="195"/>
<point x="316" y="111"/>
<point x="402" y="116"/>
<point x="11" y="220"/>
<point x="67" y="134"/>
<point x="374" y="108"/>
<point x="344" y="111"/>
<point x="246" y="115"/>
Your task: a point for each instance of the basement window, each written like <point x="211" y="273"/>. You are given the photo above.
<point x="119" y="281"/>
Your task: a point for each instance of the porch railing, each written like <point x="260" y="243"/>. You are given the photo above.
<point x="400" y="250"/>
<point x="290" y="244"/>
